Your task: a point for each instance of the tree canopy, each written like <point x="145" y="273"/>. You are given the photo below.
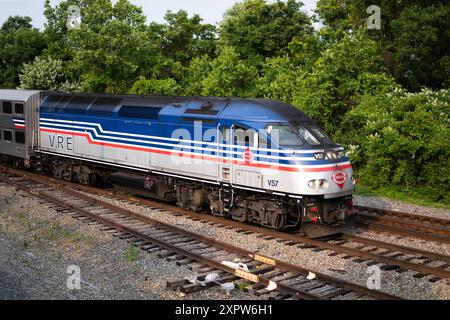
<point x="259" y="29"/>
<point x="19" y="44"/>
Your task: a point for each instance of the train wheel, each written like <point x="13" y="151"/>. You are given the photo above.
<point x="18" y="164"/>
<point x="93" y="179"/>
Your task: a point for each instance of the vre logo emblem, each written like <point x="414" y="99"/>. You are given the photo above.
<point x="248" y="156"/>
<point x="339" y="177"/>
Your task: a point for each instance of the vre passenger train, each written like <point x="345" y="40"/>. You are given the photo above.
<point x="253" y="160"/>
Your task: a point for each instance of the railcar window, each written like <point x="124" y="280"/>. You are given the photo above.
<point x="104" y="106"/>
<point x="78" y="104"/>
<point x="18" y="108"/>
<point x="139" y="112"/>
<point x="20" y="137"/>
<point x="0" y="134"/>
<point x="7" y="107"/>
<point x="7" y="135"/>
<point x="308" y="136"/>
<point x="284" y="135"/>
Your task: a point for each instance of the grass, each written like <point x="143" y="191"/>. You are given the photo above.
<point x="23" y="221"/>
<point x="26" y="244"/>
<point x="242" y="285"/>
<point x="132" y="253"/>
<point x="56" y="232"/>
<point x="417" y="198"/>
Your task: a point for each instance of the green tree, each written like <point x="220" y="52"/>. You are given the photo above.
<point x="400" y="139"/>
<point x="19" y="44"/>
<point x="163" y="87"/>
<point x="413" y="38"/>
<point x="184" y="38"/>
<point x="230" y="76"/>
<point x="42" y="74"/>
<point x="421" y="46"/>
<point x="344" y="71"/>
<point x="198" y="71"/>
<point x="111" y="48"/>
<point x="17" y="22"/>
<point x="259" y="29"/>
<point x="279" y="80"/>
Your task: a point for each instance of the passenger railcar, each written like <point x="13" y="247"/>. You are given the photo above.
<point x="18" y="125"/>
<point x="254" y="160"/>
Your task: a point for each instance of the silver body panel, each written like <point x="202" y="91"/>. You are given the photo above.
<point x="31" y="100"/>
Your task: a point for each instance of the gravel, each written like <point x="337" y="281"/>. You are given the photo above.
<point x="33" y="265"/>
<point x="37" y="245"/>
<point x="395" y="205"/>
<point x="401" y="284"/>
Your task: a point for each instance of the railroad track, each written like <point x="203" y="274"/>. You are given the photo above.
<point x="269" y="276"/>
<point x="405" y="224"/>
<point x="389" y="256"/>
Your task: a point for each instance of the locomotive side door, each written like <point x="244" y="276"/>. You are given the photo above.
<point x="224" y="147"/>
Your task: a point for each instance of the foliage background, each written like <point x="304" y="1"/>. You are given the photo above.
<point x="384" y="94"/>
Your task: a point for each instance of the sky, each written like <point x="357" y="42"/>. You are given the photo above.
<point x="210" y="10"/>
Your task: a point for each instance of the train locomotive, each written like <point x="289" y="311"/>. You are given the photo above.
<point x="253" y="160"/>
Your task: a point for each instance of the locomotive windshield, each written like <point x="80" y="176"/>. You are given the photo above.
<point x="295" y="135"/>
<point x="322" y="136"/>
<point x="307" y="135"/>
<point x="313" y="134"/>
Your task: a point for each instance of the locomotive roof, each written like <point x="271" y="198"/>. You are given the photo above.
<point x="207" y="107"/>
<point x="17" y="95"/>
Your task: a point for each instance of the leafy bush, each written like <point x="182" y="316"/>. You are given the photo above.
<point x="227" y="75"/>
<point x="345" y="70"/>
<point x="168" y="87"/>
<point x="46" y="73"/>
<point x="402" y="139"/>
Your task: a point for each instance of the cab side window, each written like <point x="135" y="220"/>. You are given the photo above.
<point x="225" y="134"/>
<point x="240" y="136"/>
<point x="263" y="140"/>
<point x="245" y="137"/>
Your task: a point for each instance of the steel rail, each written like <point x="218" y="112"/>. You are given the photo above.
<point x="223" y="246"/>
<point x="406" y="215"/>
<point x="395" y="229"/>
<point x="292" y="238"/>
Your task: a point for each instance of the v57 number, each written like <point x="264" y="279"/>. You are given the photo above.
<point x="272" y="183"/>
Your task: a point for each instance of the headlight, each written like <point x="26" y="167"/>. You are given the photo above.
<point x="332" y="155"/>
<point x="318" y="184"/>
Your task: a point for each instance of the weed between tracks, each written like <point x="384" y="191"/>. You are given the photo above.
<point x="16" y="220"/>
<point x="131" y="254"/>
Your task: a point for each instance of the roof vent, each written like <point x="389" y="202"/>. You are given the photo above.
<point x="206" y="105"/>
